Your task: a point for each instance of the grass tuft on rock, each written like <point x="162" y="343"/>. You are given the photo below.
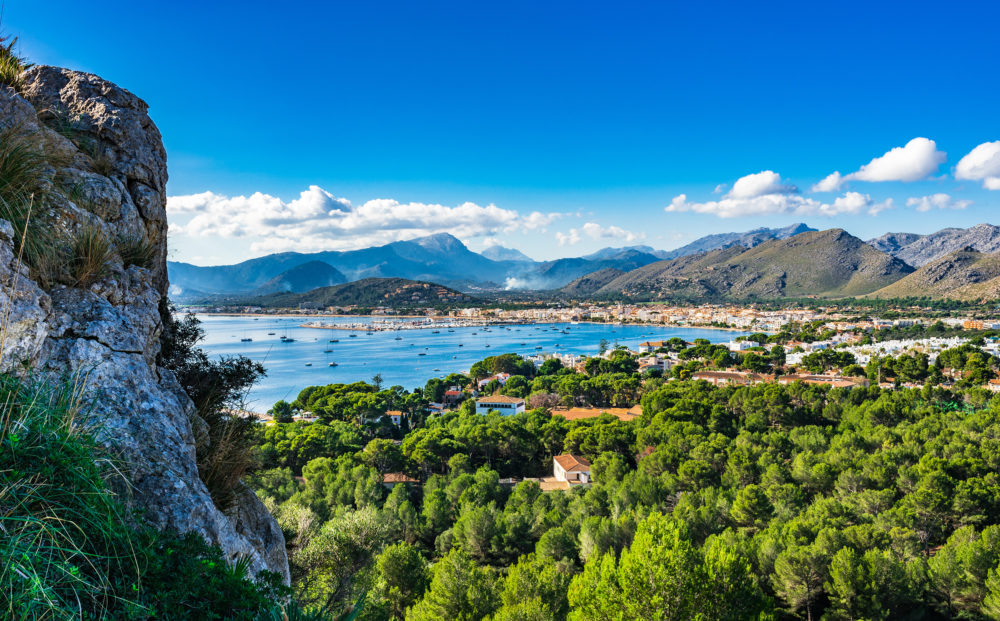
<point x="11" y="65"/>
<point x="135" y="249"/>
<point x="25" y="183"/>
<point x="90" y="256"/>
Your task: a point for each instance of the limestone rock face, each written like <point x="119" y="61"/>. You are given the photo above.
<point x="25" y="306"/>
<point x="112" y="171"/>
<point x="119" y="134"/>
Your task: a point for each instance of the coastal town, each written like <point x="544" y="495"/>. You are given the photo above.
<point x="736" y="316"/>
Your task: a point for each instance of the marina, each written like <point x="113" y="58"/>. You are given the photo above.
<point x="284" y="347"/>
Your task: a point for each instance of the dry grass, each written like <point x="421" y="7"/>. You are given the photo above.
<point x="90" y="255"/>
<point x="227" y="456"/>
<point x="25" y="184"/>
<point x="135" y="249"/>
<point x="11" y="65"/>
<point x="24" y="169"/>
<point x="100" y="162"/>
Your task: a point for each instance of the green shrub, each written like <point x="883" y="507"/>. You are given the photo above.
<point x="69" y="549"/>
<point x="185" y="578"/>
<point x="217" y="388"/>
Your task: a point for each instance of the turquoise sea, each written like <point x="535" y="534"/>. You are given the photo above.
<point x="399" y="361"/>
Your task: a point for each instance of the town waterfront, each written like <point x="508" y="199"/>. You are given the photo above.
<point x="410" y="361"/>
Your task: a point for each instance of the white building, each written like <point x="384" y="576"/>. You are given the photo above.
<point x="508" y="406"/>
<point x="571" y="468"/>
<point x="500" y="377"/>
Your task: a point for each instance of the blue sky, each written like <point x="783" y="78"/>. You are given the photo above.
<point x="556" y="128"/>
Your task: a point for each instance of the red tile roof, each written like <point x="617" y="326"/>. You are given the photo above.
<point x="573" y="463"/>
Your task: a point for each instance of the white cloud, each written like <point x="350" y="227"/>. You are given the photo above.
<point x="569" y="238"/>
<point x="781" y="203"/>
<point x="918" y="159"/>
<point x="936" y="201"/>
<point x="830" y="183"/>
<point x="981" y="164"/>
<point x="596" y="231"/>
<point x="760" y="184"/>
<point x="719" y="189"/>
<point x="539" y="220"/>
<point x="317" y="220"/>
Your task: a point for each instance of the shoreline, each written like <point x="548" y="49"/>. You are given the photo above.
<point x="288" y="382"/>
<point x="477" y="323"/>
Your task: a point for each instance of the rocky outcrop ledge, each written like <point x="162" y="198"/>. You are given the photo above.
<point x="107" y="334"/>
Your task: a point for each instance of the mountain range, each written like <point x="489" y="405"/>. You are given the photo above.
<point x="793" y="261"/>
<point x="439" y="258"/>
<point x="918" y="250"/>
<point x="831" y="263"/>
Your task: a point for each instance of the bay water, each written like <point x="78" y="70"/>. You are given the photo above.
<point x="291" y="366"/>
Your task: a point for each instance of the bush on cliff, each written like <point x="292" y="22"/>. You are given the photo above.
<point x="217" y="388"/>
<point x="70" y="550"/>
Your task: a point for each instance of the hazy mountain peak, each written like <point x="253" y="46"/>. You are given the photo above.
<point x="438" y="242"/>
<point x="610" y="252"/>
<point x="497" y="252"/>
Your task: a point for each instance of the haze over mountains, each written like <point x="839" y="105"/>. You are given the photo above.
<point x="793" y="261"/>
<point x="437" y="258"/>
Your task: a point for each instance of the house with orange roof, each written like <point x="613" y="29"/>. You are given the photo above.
<point x="572" y="469"/>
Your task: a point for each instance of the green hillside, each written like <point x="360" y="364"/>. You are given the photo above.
<point x="829" y="263"/>
<point x="393" y="292"/>
<point x="587" y="285"/>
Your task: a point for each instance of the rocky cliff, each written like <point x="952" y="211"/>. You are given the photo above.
<point x="920" y="250"/>
<point x="109" y="174"/>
